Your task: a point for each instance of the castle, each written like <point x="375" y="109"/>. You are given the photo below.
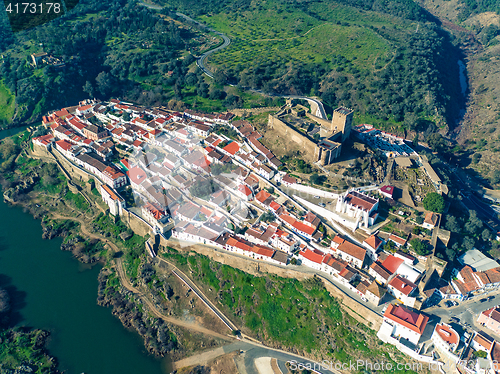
<point x="323" y="149"/>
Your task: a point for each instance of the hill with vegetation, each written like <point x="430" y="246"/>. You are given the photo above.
<point x="476" y="27"/>
<point x="110" y="49"/>
<point x="389" y="60"/>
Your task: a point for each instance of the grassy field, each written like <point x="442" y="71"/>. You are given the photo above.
<point x="275" y="32"/>
<point x="7" y="104"/>
<point x="285" y="312"/>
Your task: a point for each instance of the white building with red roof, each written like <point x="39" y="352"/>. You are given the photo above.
<point x="431" y="220"/>
<point x="373" y="244"/>
<point x="45" y="141"/>
<point x="244" y="192"/>
<point x="380" y="273"/>
<point x="312" y="258"/>
<point x="446" y="340"/>
<point x="387" y="191"/>
<point x="352" y="253"/>
<point x="402" y="323"/>
<point x="136" y="176"/>
<point x="359" y="207"/>
<point x="114" y="177"/>
<point x="114" y="201"/>
<point x="490" y="319"/>
<point x="156" y="217"/>
<point x="402" y="289"/>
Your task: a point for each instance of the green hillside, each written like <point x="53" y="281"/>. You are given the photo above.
<point x="392" y="69"/>
<point x="7" y="104"/>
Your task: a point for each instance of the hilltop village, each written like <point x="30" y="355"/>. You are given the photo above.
<point x="209" y="180"/>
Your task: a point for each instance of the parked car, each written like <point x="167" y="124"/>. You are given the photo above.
<point x="491" y="298"/>
<point x="483" y="300"/>
<point x="448" y="303"/>
<point x="322" y="204"/>
<point x="454" y="319"/>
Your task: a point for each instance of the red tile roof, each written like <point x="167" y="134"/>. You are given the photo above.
<point x="353" y="250"/>
<point x="360" y="201"/>
<point x="397" y="239"/>
<point x="374" y="241"/>
<point x="262" y="196"/>
<point x="136" y="175"/>
<point x="232" y="148"/>
<point x="304" y="228"/>
<point x="387" y="189"/>
<point x="446" y="333"/>
<point x="407" y="318"/>
<point x="312" y="256"/>
<point x="402" y="285"/>
<point x="245" y="190"/>
<point x="392" y="263"/>
<point x="65" y="145"/>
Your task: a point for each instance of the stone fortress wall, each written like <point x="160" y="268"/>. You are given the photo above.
<point x="324" y="151"/>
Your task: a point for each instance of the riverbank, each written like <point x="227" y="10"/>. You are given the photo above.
<point x="91" y="236"/>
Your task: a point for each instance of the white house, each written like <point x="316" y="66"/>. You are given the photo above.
<point x="380" y="273"/>
<point x="351" y="253"/>
<point x="373" y="244"/>
<point x="359" y="206"/>
<point x="402" y="289"/>
<point x="446" y="340"/>
<point x="312" y="258"/>
<point x="112" y="199"/>
<point x="401" y="322"/>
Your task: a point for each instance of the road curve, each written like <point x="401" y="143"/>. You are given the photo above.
<point x="201" y="63"/>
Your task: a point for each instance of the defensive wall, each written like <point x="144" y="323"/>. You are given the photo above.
<point x="253" y="111"/>
<point x="356" y="310"/>
<point x="72" y="171"/>
<point x="307" y="144"/>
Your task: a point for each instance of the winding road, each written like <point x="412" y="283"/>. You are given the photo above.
<point x="201" y="62"/>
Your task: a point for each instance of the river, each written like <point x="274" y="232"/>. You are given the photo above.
<point x="12" y="131"/>
<point x="53" y="291"/>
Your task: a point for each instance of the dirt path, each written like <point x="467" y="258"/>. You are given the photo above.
<point x="125" y="281"/>
<point x="152" y="308"/>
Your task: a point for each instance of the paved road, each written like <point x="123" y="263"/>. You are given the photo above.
<point x="201" y="62"/>
<point x="467" y="311"/>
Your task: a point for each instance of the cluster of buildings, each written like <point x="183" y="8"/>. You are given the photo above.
<point x="457" y="350"/>
<point x="198" y="185"/>
<point x="187" y="181"/>
<point x="392" y="145"/>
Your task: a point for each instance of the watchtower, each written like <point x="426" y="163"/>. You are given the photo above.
<point x="342" y="121"/>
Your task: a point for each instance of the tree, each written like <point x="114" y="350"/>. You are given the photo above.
<point x="468" y="243"/>
<point x="451" y="254"/>
<point x="4" y="301"/>
<point x="476" y="157"/>
<point x="434" y="202"/>
<point x="317" y="179"/>
<point x="452" y="224"/>
<point x="474" y="224"/>
<point x="436" y="142"/>
<point x="486" y="235"/>
<point x="420" y="247"/>
<point x="390" y="247"/>
<point x="88" y="88"/>
<point x="267" y="217"/>
<point x="203" y="189"/>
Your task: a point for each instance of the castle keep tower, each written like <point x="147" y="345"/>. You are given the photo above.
<point x="342" y="121"/>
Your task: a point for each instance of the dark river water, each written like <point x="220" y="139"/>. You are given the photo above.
<point x="53" y="291"/>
